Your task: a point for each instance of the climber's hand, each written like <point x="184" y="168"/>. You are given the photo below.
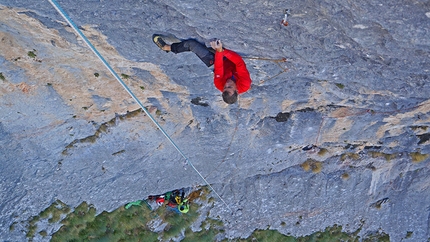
<point x="216" y="45"/>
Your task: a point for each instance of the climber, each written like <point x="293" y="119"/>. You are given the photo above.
<point x="175" y="200"/>
<point x="230" y="74"/>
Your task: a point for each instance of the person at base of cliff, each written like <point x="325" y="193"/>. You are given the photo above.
<point x="175" y="200"/>
<point x="230" y="74"/>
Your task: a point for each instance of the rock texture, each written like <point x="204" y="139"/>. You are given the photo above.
<point x="337" y="134"/>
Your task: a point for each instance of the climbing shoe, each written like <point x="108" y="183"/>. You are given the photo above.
<point x="159" y="41"/>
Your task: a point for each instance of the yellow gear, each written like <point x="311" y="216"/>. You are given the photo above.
<point x="178" y="200"/>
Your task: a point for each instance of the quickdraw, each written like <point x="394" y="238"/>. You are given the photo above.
<point x="286" y="14"/>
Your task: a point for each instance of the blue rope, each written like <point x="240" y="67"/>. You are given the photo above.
<point x="73" y="25"/>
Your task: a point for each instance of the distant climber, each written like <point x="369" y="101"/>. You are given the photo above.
<point x="175" y="199"/>
<point x="230" y="74"/>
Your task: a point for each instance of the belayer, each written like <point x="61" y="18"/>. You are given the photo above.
<point x="175" y="199"/>
<point x="230" y="74"/>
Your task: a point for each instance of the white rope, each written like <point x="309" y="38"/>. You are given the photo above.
<point x="79" y="33"/>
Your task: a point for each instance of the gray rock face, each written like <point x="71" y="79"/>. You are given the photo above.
<point x="337" y="134"/>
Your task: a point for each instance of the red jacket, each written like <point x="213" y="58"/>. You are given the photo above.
<point x="231" y="65"/>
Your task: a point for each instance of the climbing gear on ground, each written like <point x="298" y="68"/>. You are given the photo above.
<point x="184" y="206"/>
<point x="135" y="203"/>
<point x="160" y="200"/>
<point x="178" y="199"/>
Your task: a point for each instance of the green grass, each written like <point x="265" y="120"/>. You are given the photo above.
<point x="2" y="77"/>
<point x="419" y="128"/>
<point x="417" y="157"/>
<point x="12" y="226"/>
<point x="31" y="54"/>
<point x="32" y="227"/>
<point x="345" y="176"/>
<point x="121" y="224"/>
<point x="352" y="156"/>
<point x="409" y="234"/>
<point x="340" y="85"/>
<point x="125" y="76"/>
<point x="43" y="233"/>
<point x="328" y="235"/>
<point x="134" y="224"/>
<point x="268" y="236"/>
<point x="322" y="152"/>
<point x="310" y="164"/>
<point x="55" y="211"/>
<point x="388" y="157"/>
<point x="210" y="229"/>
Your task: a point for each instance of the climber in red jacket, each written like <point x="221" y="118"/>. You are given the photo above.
<point x="230" y="74"/>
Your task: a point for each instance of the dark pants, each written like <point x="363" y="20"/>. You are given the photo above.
<point x="197" y="48"/>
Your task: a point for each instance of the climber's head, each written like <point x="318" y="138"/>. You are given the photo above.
<point x="230" y="94"/>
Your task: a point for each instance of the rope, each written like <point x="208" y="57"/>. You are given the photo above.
<point x="276" y="61"/>
<point x="265" y="58"/>
<point x="79" y="33"/>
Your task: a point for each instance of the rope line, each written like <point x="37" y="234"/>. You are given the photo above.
<point x="276" y="61"/>
<point x="80" y="34"/>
